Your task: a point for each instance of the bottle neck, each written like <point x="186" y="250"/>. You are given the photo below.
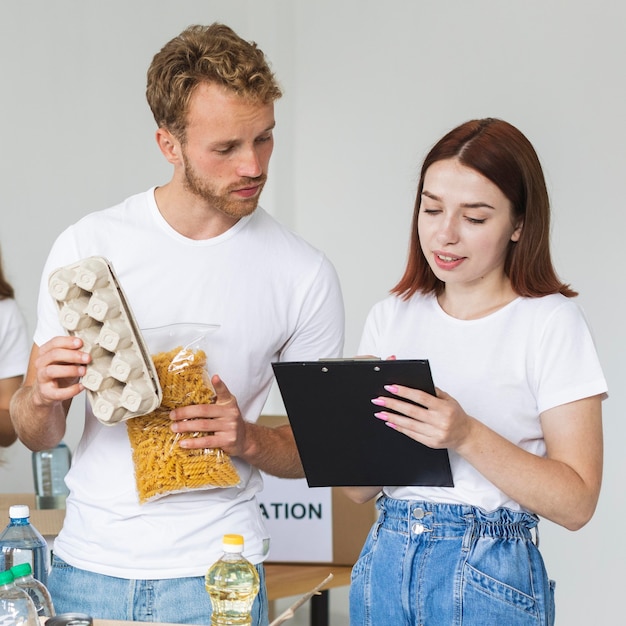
<point x="20" y="521"/>
<point x="232" y="556"/>
<point x="24" y="579"/>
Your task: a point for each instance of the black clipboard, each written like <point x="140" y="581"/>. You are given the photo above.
<point x="341" y="443"/>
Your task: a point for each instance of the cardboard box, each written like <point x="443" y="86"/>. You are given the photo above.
<point x="47" y="521"/>
<point x="312" y="525"/>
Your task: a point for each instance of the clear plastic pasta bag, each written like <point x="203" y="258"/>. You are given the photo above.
<point x="161" y="466"/>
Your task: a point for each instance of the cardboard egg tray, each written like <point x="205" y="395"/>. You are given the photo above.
<point x="121" y="380"/>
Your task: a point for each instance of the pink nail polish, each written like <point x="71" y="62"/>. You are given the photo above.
<point x="391" y="388"/>
<point x="381" y="415"/>
<point x="390" y="425"/>
<point x="379" y="401"/>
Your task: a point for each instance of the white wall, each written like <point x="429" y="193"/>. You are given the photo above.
<point x="369" y="87"/>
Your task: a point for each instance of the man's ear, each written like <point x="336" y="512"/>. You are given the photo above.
<point x="169" y="146"/>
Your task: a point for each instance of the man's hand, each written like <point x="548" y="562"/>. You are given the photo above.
<point x="222" y="422"/>
<point x="58" y="367"/>
<point x="39" y="408"/>
<point x="272" y="450"/>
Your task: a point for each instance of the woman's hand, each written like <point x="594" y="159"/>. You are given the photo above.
<point x="438" y="422"/>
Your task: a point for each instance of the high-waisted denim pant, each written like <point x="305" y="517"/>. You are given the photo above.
<point x="175" y="600"/>
<point x="426" y="564"/>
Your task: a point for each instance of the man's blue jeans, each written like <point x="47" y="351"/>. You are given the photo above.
<point x="176" y="600"/>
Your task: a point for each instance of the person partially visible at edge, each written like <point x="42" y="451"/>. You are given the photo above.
<point x="196" y="249"/>
<point x="13" y="355"/>
<point x="517" y="405"/>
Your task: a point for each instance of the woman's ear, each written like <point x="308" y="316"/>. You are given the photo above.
<point x="169" y="146"/>
<point x="518" y="231"/>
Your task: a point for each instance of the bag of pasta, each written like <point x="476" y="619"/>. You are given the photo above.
<point x="161" y="466"/>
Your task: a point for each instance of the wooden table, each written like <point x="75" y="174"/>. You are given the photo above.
<point x="294" y="579"/>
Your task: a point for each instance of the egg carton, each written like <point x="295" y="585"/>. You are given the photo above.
<point x="121" y="381"/>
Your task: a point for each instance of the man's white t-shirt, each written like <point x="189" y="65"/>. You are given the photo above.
<point x="504" y="369"/>
<point x="271" y="296"/>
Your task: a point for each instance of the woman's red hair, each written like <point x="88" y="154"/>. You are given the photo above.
<point x="502" y="154"/>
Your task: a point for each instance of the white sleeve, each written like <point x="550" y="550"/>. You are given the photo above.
<point x="14" y="344"/>
<point x="567" y="368"/>
<point x="321" y="319"/>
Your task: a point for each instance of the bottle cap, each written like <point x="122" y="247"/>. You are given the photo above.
<point x="19" y="511"/>
<point x="23" y="569"/>
<point x="70" y="619"/>
<point x="6" y="577"/>
<point x="232" y="543"/>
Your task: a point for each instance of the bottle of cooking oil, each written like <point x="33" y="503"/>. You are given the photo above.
<point x="232" y="583"/>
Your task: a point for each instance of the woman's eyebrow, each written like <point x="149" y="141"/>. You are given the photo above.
<point x="466" y="205"/>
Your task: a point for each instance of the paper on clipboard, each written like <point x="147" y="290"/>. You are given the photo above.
<point x="341" y="443"/>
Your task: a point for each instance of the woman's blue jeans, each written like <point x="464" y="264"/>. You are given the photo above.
<point x="427" y="564"/>
<point x="175" y="600"/>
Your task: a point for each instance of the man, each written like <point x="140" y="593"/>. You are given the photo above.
<point x="195" y="250"/>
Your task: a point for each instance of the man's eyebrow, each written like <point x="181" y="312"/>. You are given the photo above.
<point x="466" y="205"/>
<point x="234" y="141"/>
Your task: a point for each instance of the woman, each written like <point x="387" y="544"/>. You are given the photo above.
<point x="14" y="350"/>
<point x="518" y="403"/>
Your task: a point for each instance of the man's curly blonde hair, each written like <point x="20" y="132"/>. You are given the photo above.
<point x="205" y="54"/>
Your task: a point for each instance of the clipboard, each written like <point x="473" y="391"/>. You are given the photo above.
<point x="341" y="443"/>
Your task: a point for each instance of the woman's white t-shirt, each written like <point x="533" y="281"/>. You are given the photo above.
<point x="504" y="369"/>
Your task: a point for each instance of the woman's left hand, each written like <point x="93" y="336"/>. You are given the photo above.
<point x="440" y="421"/>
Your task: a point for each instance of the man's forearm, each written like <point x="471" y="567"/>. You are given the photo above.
<point x="38" y="427"/>
<point x="273" y="450"/>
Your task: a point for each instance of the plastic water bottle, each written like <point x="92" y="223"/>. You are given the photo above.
<point x="16" y="607"/>
<point x="38" y="592"/>
<point x="49" y="470"/>
<point x="232" y="583"/>
<point x="21" y="542"/>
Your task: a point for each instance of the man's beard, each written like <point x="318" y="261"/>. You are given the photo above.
<point x="223" y="202"/>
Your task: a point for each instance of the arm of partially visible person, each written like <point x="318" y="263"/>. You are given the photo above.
<point x="562" y="487"/>
<point x="39" y="408"/>
<point x="8" y="386"/>
<point x="14" y="347"/>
